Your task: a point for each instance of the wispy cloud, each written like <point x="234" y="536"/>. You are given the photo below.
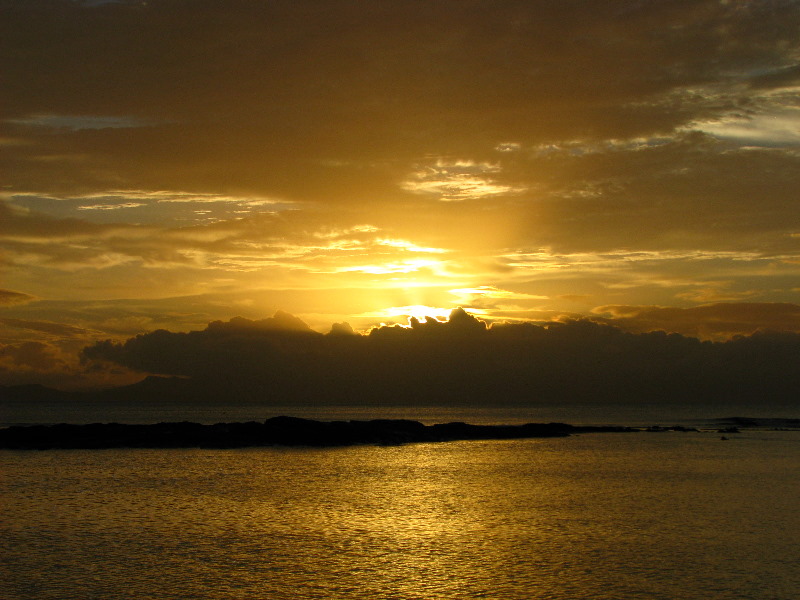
<point x="452" y="181"/>
<point x="11" y="298"/>
<point x="111" y="206"/>
<point x="80" y="122"/>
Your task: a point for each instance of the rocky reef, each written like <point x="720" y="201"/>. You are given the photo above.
<point x="277" y="431"/>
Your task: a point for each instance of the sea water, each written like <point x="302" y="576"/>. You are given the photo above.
<point x="670" y="515"/>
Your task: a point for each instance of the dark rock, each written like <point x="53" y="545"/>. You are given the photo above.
<point x="282" y="431"/>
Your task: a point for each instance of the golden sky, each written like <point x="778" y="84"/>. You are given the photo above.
<point x="173" y="162"/>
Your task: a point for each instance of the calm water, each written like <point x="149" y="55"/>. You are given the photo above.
<point x="601" y="516"/>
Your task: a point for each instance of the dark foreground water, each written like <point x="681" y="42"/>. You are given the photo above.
<point x="600" y="516"/>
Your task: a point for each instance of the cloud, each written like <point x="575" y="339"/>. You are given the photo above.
<point x="676" y="196"/>
<point x="21" y="224"/>
<point x="111" y="206"/>
<point x="79" y="122"/>
<point x="776" y="128"/>
<point x="625" y="153"/>
<point x="493" y="292"/>
<point x="280" y="321"/>
<point x="11" y="298"/>
<point x="37" y="362"/>
<point x="714" y="321"/>
<point x="160" y="208"/>
<point x="342" y="329"/>
<point x="32" y="355"/>
<point x="58" y="329"/>
<point x="457" y="181"/>
<point x="286" y="96"/>
<point x="308" y="241"/>
<point x="461" y="360"/>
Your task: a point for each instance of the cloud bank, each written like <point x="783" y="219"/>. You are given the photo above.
<point x="462" y="361"/>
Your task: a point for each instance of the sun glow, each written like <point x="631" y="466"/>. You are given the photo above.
<point x="403" y="266"/>
<point x="395" y="314"/>
<point x="417" y="311"/>
<point x="409" y="246"/>
<point x="458" y="180"/>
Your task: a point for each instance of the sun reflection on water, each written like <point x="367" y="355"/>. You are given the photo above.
<point x="597" y="517"/>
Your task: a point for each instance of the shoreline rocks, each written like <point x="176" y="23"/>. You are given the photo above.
<point x="276" y="431"/>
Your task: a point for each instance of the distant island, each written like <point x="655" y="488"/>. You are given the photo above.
<point x="276" y="431"/>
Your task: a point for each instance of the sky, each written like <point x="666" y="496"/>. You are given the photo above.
<point x="172" y="163"/>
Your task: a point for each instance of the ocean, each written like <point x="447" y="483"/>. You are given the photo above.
<point x="669" y="515"/>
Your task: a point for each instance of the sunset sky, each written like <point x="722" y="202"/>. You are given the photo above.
<point x="173" y="162"/>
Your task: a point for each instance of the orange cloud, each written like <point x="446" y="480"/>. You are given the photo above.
<point x="709" y="321"/>
<point x="10" y="298"/>
<point x="337" y="158"/>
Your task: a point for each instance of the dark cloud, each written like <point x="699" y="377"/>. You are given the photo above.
<point x="281" y="321"/>
<point x="687" y="192"/>
<point x="57" y="329"/>
<point x="342" y="329"/>
<point x="43" y="363"/>
<point x="32" y="355"/>
<point x="785" y="76"/>
<point x="719" y="321"/>
<point x="255" y="95"/>
<point x="10" y="298"/>
<point x="35" y="362"/>
<point x="464" y="361"/>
